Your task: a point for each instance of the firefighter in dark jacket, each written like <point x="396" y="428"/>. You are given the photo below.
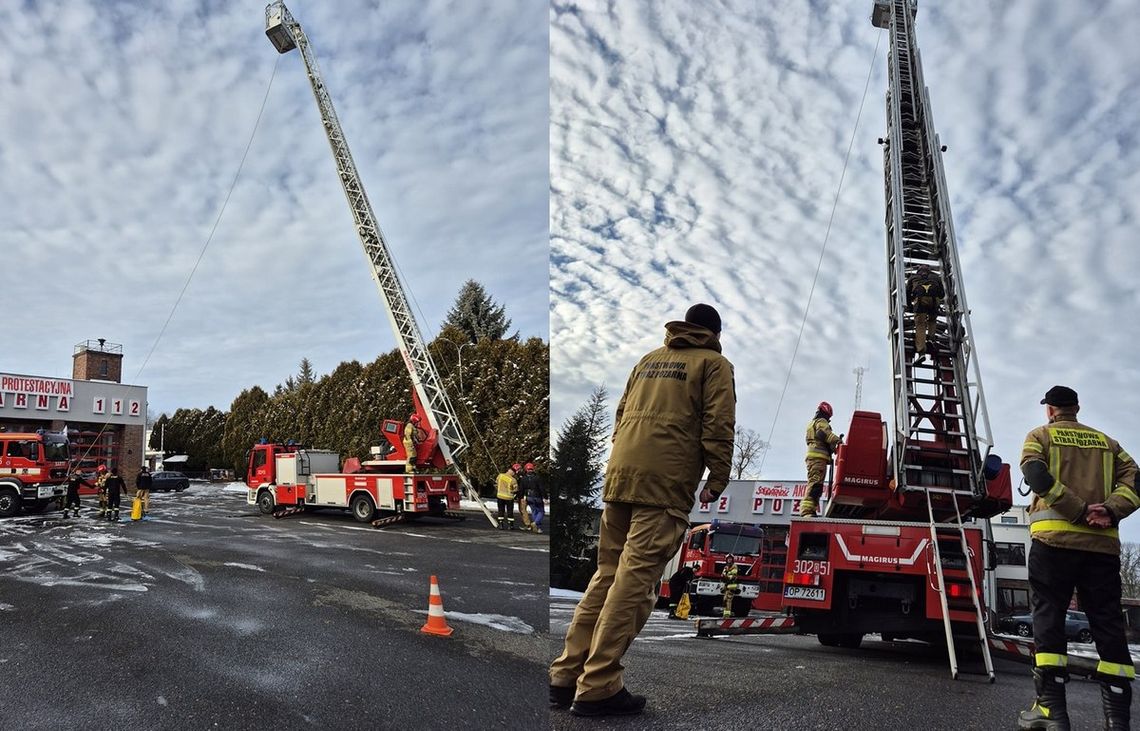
<point x="531" y="487"/>
<point x="114" y="486"/>
<point x="821" y="443"/>
<point x="679" y="585"/>
<point x="1084" y="484"/>
<point x="142" y="489"/>
<point x="71" y="502"/>
<point x="924" y="295"/>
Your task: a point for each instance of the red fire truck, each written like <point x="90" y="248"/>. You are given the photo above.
<point x="291" y="477"/>
<point x="704" y="550"/>
<point x="33" y="471"/>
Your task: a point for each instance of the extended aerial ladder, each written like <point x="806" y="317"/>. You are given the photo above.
<point x="942" y="435"/>
<point x="430" y="397"/>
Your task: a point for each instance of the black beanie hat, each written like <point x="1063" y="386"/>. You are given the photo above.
<point x="705" y="316"/>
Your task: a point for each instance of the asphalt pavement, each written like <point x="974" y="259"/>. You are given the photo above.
<point x="210" y="615"/>
<point x="793" y="682"/>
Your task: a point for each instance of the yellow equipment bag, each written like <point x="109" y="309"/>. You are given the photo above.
<point x="683" y="607"/>
<point x="136" y="508"/>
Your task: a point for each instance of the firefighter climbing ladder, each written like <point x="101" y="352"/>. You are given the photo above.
<point x="942" y="432"/>
<point x="286" y="34"/>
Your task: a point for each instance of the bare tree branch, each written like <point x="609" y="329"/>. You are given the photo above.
<point x="749" y="447"/>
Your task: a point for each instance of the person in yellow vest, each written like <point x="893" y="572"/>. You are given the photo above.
<point x="506" y="488"/>
<point x="821" y="444"/>
<point x="1083" y="484"/>
<point x="731" y="585"/>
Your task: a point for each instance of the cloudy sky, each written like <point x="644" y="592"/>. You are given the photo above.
<point x="121" y="129"/>
<point x="696" y="149"/>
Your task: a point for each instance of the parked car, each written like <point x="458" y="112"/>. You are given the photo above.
<point x="167" y="481"/>
<point x="1076" y="626"/>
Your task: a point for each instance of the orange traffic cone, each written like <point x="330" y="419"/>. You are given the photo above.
<point x="436" y="622"/>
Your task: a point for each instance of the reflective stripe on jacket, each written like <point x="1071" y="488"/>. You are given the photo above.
<point x="1088" y="467"/>
<point x="729" y="575"/>
<point x="821" y="441"/>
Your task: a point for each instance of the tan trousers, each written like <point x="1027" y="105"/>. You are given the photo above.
<point x="634" y="544"/>
<point x="923" y="328"/>
<point x="525" y="514"/>
<point x="144" y="496"/>
<point x="816" y="473"/>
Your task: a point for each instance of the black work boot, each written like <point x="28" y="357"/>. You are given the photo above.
<point x="1116" y="697"/>
<point x="622" y="703"/>
<point x="561" y="696"/>
<point x="1049" y="711"/>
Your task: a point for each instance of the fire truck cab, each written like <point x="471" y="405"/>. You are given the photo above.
<point x="33" y="471"/>
<point x="704" y="549"/>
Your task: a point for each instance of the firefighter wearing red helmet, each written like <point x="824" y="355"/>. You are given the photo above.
<point x="821" y="444"/>
<point x="531" y="486"/>
<point x="526" y="481"/>
<point x="413" y="435"/>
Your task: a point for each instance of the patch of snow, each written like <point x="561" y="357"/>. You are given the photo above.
<point x="494" y="621"/>
<point x="248" y="566"/>
<point x="6" y="607"/>
<point x="236" y="487"/>
<point x="162" y="701"/>
<point x="686" y="635"/>
<point x="565" y="594"/>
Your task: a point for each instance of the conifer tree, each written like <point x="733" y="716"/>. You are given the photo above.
<point x="477" y="315"/>
<point x="575" y="481"/>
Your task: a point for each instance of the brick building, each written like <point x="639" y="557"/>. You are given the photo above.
<point x="105" y="419"/>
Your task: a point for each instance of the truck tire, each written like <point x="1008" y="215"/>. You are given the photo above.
<point x="362" y="508"/>
<point x="265" y="502"/>
<point x="9" y="502"/>
<point x="741" y="607"/>
<point x="840" y="639"/>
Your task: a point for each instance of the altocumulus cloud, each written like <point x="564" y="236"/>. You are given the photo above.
<point x="695" y="153"/>
<point x="120" y="132"/>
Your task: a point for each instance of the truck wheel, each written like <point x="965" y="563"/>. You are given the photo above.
<point x="265" y="502"/>
<point x="1024" y="630"/>
<point x="37" y="507"/>
<point x="9" y="502"/>
<point x="1084" y="636"/>
<point x="851" y="642"/>
<point x="362" y="508"/>
<point x="827" y="639"/>
<point x="741" y="607"/>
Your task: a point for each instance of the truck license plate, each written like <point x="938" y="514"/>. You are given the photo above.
<point x="812" y="593"/>
<point x="46" y="492"/>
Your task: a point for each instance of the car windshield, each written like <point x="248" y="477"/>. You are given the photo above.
<point x="735" y="544"/>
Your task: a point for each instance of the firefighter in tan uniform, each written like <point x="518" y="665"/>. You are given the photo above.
<point x="1084" y="484"/>
<point x="821" y="443"/>
<point x="731" y="584"/>
<point x="101" y="486"/>
<point x="413" y="435"/>
<point x="924" y="295"/>
<point x="675" y="419"/>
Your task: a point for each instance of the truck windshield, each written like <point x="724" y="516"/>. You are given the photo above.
<point x="56" y="450"/>
<point x="734" y="544"/>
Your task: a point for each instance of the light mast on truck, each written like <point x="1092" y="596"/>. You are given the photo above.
<point x="430" y="399"/>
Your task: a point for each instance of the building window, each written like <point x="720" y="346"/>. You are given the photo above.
<point x="1010" y="554"/>
<point x="103" y="368"/>
<point x="1009" y="519"/>
<point x="1013" y="601"/>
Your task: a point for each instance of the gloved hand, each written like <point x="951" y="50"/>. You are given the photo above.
<point x="707" y="496"/>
